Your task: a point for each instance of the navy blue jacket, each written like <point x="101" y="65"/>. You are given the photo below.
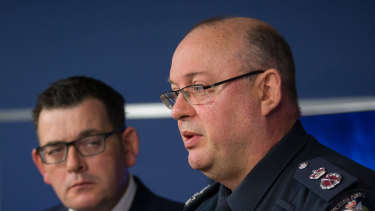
<point x="144" y="200"/>
<point x="280" y="182"/>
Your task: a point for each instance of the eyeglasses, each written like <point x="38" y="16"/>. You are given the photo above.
<point x="196" y="94"/>
<point x="87" y="146"/>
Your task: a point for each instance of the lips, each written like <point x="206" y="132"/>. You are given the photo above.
<point x="191" y="139"/>
<point x="82" y="184"/>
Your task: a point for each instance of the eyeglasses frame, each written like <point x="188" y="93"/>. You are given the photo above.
<point x="72" y="143"/>
<point x="211" y="85"/>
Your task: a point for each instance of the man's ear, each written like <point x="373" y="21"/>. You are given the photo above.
<point x="39" y="164"/>
<point x="130" y="143"/>
<point x="271" y="91"/>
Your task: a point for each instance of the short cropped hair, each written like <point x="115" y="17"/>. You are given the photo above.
<point x="270" y="50"/>
<point x="71" y="91"/>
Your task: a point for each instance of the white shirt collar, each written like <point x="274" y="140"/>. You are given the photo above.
<point x="127" y="199"/>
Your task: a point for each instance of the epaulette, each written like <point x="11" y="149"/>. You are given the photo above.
<point x="323" y="178"/>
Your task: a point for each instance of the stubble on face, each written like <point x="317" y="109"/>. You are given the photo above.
<point x="97" y="181"/>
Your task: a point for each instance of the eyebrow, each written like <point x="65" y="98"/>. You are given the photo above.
<point x="189" y="76"/>
<point x="87" y="133"/>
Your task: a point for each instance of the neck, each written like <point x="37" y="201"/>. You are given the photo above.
<point x="274" y="128"/>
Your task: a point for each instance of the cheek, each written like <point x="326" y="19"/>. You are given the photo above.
<point x="54" y="174"/>
<point x="225" y="121"/>
<point x="215" y="124"/>
<point x="219" y="116"/>
<point x="110" y="168"/>
<point x="56" y="177"/>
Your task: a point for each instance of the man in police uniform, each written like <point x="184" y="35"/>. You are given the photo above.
<point x="235" y="101"/>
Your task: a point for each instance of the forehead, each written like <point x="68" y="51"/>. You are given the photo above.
<point x="65" y="124"/>
<point x="207" y="52"/>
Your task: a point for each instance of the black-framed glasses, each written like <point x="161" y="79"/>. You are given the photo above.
<point x="196" y="94"/>
<point x="86" y="146"/>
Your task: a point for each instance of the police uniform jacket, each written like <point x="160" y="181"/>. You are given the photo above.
<point x="298" y="173"/>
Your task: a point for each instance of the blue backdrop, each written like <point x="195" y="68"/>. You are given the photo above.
<point x="129" y="44"/>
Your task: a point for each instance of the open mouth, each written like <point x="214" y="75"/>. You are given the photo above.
<point x="190" y="139"/>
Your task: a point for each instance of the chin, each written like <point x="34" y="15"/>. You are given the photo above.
<point x="83" y="206"/>
<point x="84" y="203"/>
<point x="196" y="161"/>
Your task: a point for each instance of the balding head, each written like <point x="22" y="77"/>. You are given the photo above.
<point x="255" y="43"/>
<point x="231" y="23"/>
<point x="234" y="120"/>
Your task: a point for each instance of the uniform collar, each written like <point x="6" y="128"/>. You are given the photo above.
<point x="205" y="199"/>
<point x="256" y="184"/>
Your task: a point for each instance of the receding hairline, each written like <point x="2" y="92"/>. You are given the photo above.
<point x="243" y="24"/>
<point x="231" y="29"/>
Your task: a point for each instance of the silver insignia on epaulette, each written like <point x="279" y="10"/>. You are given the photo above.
<point x="318" y="173"/>
<point x="303" y="165"/>
<point x="330" y="181"/>
<point x="196" y="195"/>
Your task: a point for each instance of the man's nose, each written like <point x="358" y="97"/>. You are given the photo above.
<point x="181" y="108"/>
<point x="74" y="161"/>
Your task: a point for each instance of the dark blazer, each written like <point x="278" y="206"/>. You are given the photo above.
<point x="280" y="182"/>
<point x="144" y="200"/>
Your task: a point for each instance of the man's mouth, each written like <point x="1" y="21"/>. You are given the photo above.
<point x="82" y="184"/>
<point x="191" y="139"/>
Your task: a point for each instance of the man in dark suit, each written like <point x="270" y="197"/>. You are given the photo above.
<point x="86" y="149"/>
<point x="235" y="101"/>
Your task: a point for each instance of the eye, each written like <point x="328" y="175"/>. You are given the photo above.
<point x="91" y="142"/>
<point x="198" y="88"/>
<point x="54" y="150"/>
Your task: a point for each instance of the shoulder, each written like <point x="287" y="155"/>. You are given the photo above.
<point x="339" y="186"/>
<point x="146" y="200"/>
<point x="59" y="207"/>
<point x="354" y="199"/>
<point x="316" y="149"/>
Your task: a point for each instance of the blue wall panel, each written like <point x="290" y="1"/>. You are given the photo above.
<point x="129" y="44"/>
<point x="351" y="134"/>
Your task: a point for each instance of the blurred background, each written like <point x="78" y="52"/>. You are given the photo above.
<point x="129" y="45"/>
